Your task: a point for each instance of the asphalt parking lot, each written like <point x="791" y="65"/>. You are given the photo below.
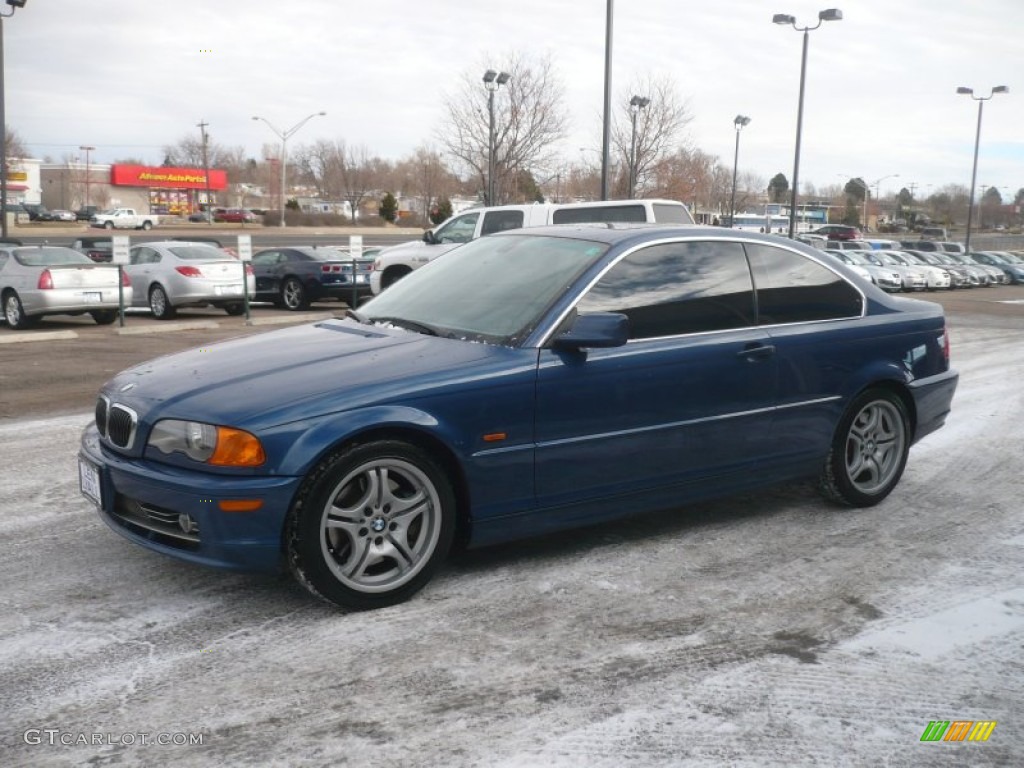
<point x="770" y="629"/>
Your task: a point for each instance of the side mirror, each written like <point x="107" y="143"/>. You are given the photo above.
<point x="598" y="329"/>
<point x="430" y="238"/>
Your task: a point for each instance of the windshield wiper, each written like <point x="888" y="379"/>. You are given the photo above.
<point x="411" y="325"/>
<point x="357" y="316"/>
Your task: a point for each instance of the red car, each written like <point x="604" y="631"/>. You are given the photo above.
<point x="234" y="215"/>
<point x="838" y="232"/>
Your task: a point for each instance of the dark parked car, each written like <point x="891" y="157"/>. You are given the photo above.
<point x="234" y="215"/>
<point x="86" y="212"/>
<point x="99" y="249"/>
<point x="528" y="381"/>
<point x="838" y="232"/>
<point x="294" y="277"/>
<point x="37" y="212"/>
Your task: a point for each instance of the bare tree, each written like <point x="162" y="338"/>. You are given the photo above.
<point x="659" y="130"/>
<point x="356" y="175"/>
<point x="13" y="144"/>
<point x="425" y="176"/>
<point x="528" y="117"/>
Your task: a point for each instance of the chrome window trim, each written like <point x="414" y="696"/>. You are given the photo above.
<point x="552" y="327"/>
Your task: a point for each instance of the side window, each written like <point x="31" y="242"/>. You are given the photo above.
<point x="264" y="258"/>
<point x="629" y="212"/>
<point x="792" y="288"/>
<point x="3" y="259"/>
<point x="677" y="288"/>
<point x="497" y="221"/>
<point x="458" y="230"/>
<point x="135" y="256"/>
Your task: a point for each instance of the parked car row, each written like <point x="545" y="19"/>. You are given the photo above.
<point x="921" y="265"/>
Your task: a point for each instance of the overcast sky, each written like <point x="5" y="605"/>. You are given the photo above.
<point x="131" y="76"/>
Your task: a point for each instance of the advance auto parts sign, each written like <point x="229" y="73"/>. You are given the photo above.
<point x="160" y="176"/>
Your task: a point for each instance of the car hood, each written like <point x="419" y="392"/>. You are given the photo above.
<point x="417" y="250"/>
<point x="298" y="373"/>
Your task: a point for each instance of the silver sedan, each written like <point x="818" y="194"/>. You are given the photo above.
<point x="172" y="274"/>
<point x="52" y="280"/>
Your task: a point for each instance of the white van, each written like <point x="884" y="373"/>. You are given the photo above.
<point x="397" y="261"/>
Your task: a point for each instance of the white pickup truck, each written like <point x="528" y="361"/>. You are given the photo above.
<point x="394" y="263"/>
<point x="124" y="218"/>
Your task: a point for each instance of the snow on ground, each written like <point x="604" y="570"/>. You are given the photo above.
<point x="766" y="630"/>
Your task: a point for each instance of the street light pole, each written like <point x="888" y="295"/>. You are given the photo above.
<point x="88" y="175"/>
<point x="284" y="136"/>
<point x="739" y="123"/>
<point x="492" y="82"/>
<point x="15" y="5"/>
<point x="830" y="14"/>
<point x="206" y="172"/>
<point x="977" y="140"/>
<point x="635" y="105"/>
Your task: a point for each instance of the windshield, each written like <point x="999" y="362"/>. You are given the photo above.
<point x="493" y="289"/>
<point x="49" y="257"/>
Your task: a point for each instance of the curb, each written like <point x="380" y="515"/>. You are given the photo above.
<point x="194" y="325"/>
<point x="11" y="338"/>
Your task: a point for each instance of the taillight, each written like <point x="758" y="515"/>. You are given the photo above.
<point x="189" y="271"/>
<point x="125" y="281"/>
<point x="45" y="281"/>
<point x="945" y="344"/>
<point x="248" y="269"/>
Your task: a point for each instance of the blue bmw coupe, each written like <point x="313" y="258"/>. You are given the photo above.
<point x="525" y="382"/>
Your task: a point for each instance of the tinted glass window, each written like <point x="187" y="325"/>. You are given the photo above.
<point x="496" y="221"/>
<point x="671" y="214"/>
<point x="793" y="288"/>
<point x="634" y="212"/>
<point x="49" y="257"/>
<point x="677" y="288"/>
<point x="264" y="258"/>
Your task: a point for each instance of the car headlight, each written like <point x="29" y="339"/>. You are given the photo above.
<point x="221" y="446"/>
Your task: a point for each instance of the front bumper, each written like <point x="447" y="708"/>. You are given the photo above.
<point x="144" y="501"/>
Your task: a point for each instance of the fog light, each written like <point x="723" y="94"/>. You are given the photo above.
<point x="187" y="524"/>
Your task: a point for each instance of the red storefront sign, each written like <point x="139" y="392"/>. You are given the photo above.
<point x="160" y="176"/>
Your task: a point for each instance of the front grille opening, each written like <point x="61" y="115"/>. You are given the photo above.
<point x="121" y="426"/>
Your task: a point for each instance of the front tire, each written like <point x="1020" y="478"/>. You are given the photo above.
<point x="869" y="450"/>
<point x="14" y="312"/>
<point x="108" y="225"/>
<point x="235" y="309"/>
<point x="293" y="295"/>
<point x="371" y="524"/>
<point x="159" y="304"/>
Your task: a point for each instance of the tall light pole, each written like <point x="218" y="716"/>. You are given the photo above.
<point x="878" y="194"/>
<point x="606" y="117"/>
<point x="492" y="82"/>
<point x="284" y="136"/>
<point x="15" y="5"/>
<point x="88" y="175"/>
<point x="635" y="105"/>
<point x="206" y="172"/>
<point x="830" y="14"/>
<point x="739" y="123"/>
<point x="977" y="139"/>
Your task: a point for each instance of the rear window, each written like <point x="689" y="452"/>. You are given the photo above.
<point x="671" y="214"/>
<point x="199" y="253"/>
<point x="49" y="257"/>
<point x="600" y="213"/>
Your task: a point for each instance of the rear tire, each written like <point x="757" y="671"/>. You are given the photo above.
<point x="104" y="316"/>
<point x="160" y="304"/>
<point x="293" y="295"/>
<point x="146" y="226"/>
<point x="14" y="312"/>
<point x="869" y="450"/>
<point x="371" y="524"/>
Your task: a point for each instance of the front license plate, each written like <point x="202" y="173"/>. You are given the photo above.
<point x="92" y="297"/>
<point x="89" y="481"/>
<point x="228" y="290"/>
